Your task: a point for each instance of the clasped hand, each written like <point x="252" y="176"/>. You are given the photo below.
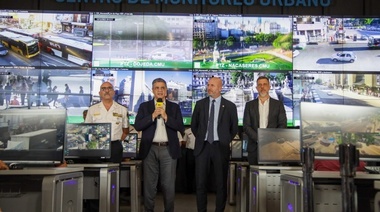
<point x="159" y="111"/>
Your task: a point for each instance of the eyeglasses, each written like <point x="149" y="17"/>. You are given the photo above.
<point x="106" y="88"/>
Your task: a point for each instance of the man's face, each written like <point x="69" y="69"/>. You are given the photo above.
<point x="159" y="90"/>
<point x="263" y="87"/>
<point x="214" y="87"/>
<point x="106" y="91"/>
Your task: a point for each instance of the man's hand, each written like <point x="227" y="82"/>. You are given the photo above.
<point x="3" y="166"/>
<point x="160" y="112"/>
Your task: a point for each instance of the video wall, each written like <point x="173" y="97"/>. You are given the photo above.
<point x="59" y="59"/>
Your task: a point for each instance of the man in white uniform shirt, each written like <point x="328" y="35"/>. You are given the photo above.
<point x="109" y="111"/>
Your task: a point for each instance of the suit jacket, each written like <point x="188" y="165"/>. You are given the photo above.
<point x="144" y="123"/>
<point x="227" y="124"/>
<point x="251" y="119"/>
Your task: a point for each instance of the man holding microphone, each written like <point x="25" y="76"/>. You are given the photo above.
<point x="159" y="120"/>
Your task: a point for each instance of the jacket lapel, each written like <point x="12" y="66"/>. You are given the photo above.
<point x="221" y="111"/>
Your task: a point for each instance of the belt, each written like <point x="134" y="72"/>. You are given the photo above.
<point x="160" y="143"/>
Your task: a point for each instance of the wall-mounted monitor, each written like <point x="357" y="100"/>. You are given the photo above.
<point x="327" y="87"/>
<point x="88" y="141"/>
<point x="335" y="43"/>
<point x="32" y="135"/>
<point x="128" y="40"/>
<point x="234" y="42"/>
<point x="134" y="87"/>
<point x="278" y="146"/>
<point x="240" y="87"/>
<point x="48" y="89"/>
<point x="46" y="40"/>
<point x="358" y="49"/>
<point x="325" y="126"/>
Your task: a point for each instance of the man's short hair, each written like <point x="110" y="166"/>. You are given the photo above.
<point x="159" y="80"/>
<point x="262" y="77"/>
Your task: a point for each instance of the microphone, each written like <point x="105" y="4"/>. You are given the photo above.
<point x="159" y="103"/>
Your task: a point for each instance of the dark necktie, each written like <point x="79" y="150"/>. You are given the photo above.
<point x="210" y="127"/>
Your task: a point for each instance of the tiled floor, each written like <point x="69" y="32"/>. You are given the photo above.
<point x="183" y="203"/>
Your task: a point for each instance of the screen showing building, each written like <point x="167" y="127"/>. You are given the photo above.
<point x="88" y="140"/>
<point x="233" y="42"/>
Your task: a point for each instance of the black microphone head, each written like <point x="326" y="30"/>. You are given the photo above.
<point x="159" y="100"/>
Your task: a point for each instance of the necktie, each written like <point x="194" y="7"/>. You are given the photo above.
<point x="210" y="127"/>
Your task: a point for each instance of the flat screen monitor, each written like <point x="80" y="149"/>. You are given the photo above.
<point x="278" y="146"/>
<point x="130" y="146"/>
<point x="88" y="141"/>
<point x="335" y="43"/>
<point x="236" y="149"/>
<point x="338" y="87"/>
<point x="46" y="39"/>
<point x="325" y="126"/>
<point x="240" y="87"/>
<point x="30" y="88"/>
<point x="32" y="136"/>
<point x="131" y="40"/>
<point x="236" y="42"/>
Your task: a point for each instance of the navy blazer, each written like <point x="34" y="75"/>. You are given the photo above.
<point x="227" y="124"/>
<point x="251" y="120"/>
<point x="144" y="123"/>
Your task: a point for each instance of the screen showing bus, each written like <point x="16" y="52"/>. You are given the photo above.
<point x="88" y="140"/>
<point x="142" y="41"/>
<point x="345" y="88"/>
<point x="240" y="87"/>
<point x="325" y="126"/>
<point x="32" y="135"/>
<point x="234" y="42"/>
<point x="135" y="87"/>
<point x="46" y="40"/>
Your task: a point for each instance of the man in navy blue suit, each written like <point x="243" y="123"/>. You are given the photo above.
<point x="263" y="112"/>
<point x="160" y="121"/>
<point x="214" y="124"/>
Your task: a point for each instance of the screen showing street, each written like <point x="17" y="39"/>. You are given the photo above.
<point x="142" y="41"/>
<point x="336" y="44"/>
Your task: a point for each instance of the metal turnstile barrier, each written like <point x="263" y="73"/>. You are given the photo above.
<point x="242" y="186"/>
<point x="231" y="186"/>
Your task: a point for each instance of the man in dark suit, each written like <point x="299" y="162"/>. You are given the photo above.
<point x="263" y="112"/>
<point x="159" y="149"/>
<point x="212" y="143"/>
